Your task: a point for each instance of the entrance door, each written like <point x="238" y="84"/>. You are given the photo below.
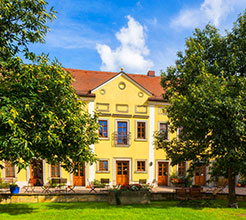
<point x="79" y="177"/>
<point x="36" y="172"/>
<point x="162" y="173"/>
<point x="200" y="175"/>
<point x="122" y="175"/>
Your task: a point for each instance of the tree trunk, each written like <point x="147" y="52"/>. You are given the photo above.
<point x="232" y="188"/>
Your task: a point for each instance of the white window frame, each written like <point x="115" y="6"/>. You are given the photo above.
<point x="104" y="119"/>
<point x="186" y="168"/>
<point x="116" y="131"/>
<point x="50" y="171"/>
<point x="178" y="134"/>
<point x="103" y="171"/>
<point x="136" y="165"/>
<point x="159" y="126"/>
<point x="136" y="130"/>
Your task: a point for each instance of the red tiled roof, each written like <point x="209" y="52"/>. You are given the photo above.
<point x="87" y="80"/>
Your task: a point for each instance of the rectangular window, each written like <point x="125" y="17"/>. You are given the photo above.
<point x="9" y="169"/>
<point x="179" y="133"/>
<point x="122" y="137"/>
<point x="182" y="169"/>
<point x="141" y="166"/>
<point x="103" y="165"/>
<point x="141" y="129"/>
<point x="55" y="170"/>
<point x="103" y="130"/>
<point x="164" y="130"/>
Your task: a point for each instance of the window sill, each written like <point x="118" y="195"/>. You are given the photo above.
<point x="143" y="140"/>
<point x="143" y="172"/>
<point x="122" y="145"/>
<point x="104" y="138"/>
<point x="98" y="171"/>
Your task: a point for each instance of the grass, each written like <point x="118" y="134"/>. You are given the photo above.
<point x="101" y="210"/>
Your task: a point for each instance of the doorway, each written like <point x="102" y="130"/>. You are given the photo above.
<point x="122" y="172"/>
<point x="79" y="176"/>
<point x="200" y="175"/>
<point x="36" y="172"/>
<point x="163" y="173"/>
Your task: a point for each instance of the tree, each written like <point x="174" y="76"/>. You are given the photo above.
<point x="207" y="93"/>
<point x="40" y="114"/>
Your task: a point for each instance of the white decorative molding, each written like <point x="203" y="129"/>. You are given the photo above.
<point x="44" y="171"/>
<point x="92" y="146"/>
<point x="28" y="174"/>
<point x="3" y="170"/>
<point x="151" y="142"/>
<point x="126" y="77"/>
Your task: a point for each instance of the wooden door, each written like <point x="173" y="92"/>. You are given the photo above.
<point x="79" y="177"/>
<point x="200" y="175"/>
<point x="122" y="172"/>
<point x="36" y="173"/>
<point x="162" y="173"/>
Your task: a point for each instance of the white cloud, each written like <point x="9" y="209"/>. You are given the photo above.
<point x="130" y="54"/>
<point x="213" y="11"/>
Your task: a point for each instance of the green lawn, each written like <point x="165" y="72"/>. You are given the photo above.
<point x="92" y="210"/>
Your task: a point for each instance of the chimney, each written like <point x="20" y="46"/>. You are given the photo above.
<point x="151" y="73"/>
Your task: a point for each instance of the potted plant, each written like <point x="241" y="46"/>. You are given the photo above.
<point x="14" y="188"/>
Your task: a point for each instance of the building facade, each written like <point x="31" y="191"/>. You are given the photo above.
<point x="131" y="109"/>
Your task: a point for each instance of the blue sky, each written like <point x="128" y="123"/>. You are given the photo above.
<point x="136" y="35"/>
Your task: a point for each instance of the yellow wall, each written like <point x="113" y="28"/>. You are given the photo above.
<point x="138" y="149"/>
<point x="106" y="149"/>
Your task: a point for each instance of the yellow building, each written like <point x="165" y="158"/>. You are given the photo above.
<point x="131" y="109"/>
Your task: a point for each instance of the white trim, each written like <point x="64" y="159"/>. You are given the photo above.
<point x="108" y="121"/>
<point x="168" y="125"/>
<point x="136" y="166"/>
<point x="28" y="173"/>
<point x="151" y="143"/>
<point x="86" y="174"/>
<point x="91" y="106"/>
<point x="71" y="178"/>
<point x="44" y="172"/>
<point x="106" y="171"/>
<point x="136" y="130"/>
<point x="3" y="170"/>
<point x="114" y="168"/>
<point x="169" y="170"/>
<point x="125" y="76"/>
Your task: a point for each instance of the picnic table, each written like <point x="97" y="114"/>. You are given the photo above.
<point x="191" y="194"/>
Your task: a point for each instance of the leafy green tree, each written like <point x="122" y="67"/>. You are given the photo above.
<point x="207" y="93"/>
<point x="40" y="114"/>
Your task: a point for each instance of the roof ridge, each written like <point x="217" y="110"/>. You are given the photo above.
<point x="99" y="71"/>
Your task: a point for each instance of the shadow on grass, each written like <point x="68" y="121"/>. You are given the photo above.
<point x="16" y="209"/>
<point x="154" y="205"/>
